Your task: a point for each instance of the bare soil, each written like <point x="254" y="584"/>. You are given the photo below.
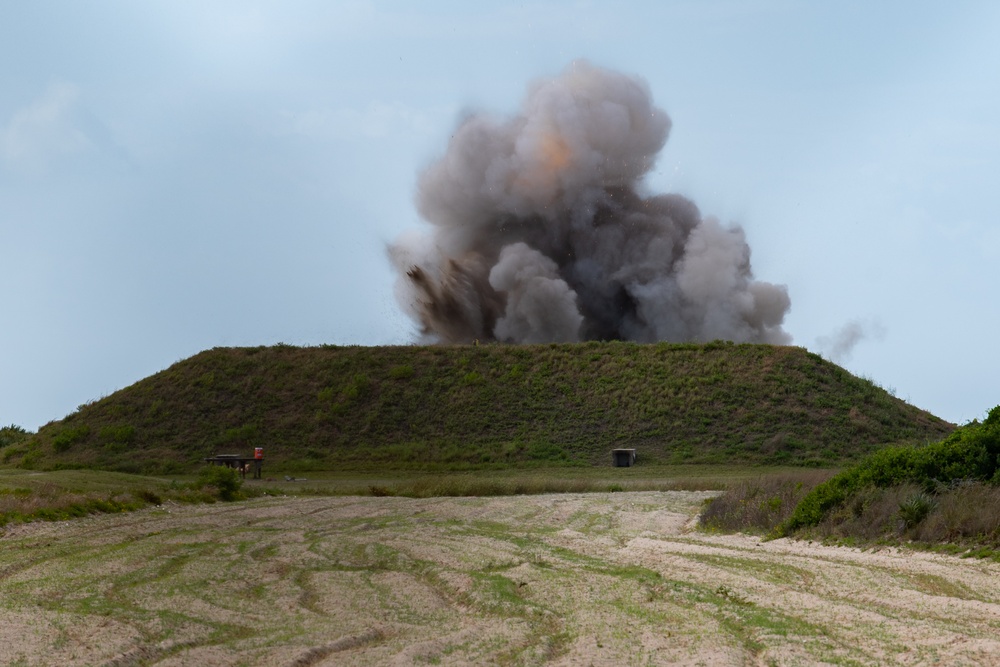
<point x="573" y="579"/>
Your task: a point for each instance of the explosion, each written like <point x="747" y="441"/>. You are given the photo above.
<point x="540" y="233"/>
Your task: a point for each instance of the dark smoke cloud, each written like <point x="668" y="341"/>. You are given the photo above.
<point x="540" y="233"/>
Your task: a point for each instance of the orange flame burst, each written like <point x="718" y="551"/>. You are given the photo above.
<point x="552" y="156"/>
<point x="555" y="153"/>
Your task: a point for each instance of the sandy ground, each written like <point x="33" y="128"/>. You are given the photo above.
<point x="588" y="579"/>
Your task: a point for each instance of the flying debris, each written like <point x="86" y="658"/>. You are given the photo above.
<point x="539" y="232"/>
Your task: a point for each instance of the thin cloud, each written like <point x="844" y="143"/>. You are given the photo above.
<point x="54" y="129"/>
<point x="44" y="131"/>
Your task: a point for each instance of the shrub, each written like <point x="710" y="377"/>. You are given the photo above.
<point x="149" y="496"/>
<point x="870" y="514"/>
<point x="401" y="372"/>
<point x="915" y="508"/>
<point x="970" y="453"/>
<point x="65" y="438"/>
<point x="11" y="452"/>
<point x="31" y="460"/>
<point x="13" y="434"/>
<point x="226" y="481"/>
<point x="120" y="433"/>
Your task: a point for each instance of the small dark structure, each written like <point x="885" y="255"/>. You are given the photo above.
<point x="243" y="464"/>
<point x="622" y="458"/>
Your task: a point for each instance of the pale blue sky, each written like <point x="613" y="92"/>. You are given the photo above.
<point x="176" y="176"/>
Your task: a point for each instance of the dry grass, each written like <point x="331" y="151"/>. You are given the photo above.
<point x="759" y="505"/>
<point x="970" y="512"/>
<point x="968" y="515"/>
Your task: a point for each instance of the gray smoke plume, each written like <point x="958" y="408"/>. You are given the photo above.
<point x="840" y="345"/>
<point x="540" y="233"/>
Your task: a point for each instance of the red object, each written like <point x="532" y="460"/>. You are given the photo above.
<point x="258" y="452"/>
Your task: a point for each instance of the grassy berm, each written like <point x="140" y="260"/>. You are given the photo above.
<point x="461" y="407"/>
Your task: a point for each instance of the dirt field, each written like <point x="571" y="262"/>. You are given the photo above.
<point x="602" y="579"/>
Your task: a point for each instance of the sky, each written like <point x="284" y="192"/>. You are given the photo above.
<point x="180" y="175"/>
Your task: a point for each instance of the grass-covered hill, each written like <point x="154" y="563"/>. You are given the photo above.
<point x="450" y="407"/>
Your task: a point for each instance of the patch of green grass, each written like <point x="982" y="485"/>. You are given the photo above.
<point x="518" y="481"/>
<point x="755" y="627"/>
<point x="932" y="584"/>
<point x="66" y="494"/>
<point x="780" y="574"/>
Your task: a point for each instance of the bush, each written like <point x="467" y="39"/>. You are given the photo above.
<point x="401" y="372"/>
<point x="915" y="507"/>
<point x="65" y="438"/>
<point x="13" y="434"/>
<point x="970" y="453"/>
<point x="118" y="433"/>
<point x="870" y="514"/>
<point x="149" y="496"/>
<point x="226" y="481"/>
<point x="31" y="460"/>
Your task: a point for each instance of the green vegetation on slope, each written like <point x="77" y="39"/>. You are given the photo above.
<point x="970" y="454"/>
<point x="944" y="493"/>
<point x="12" y="435"/>
<point x="484" y="406"/>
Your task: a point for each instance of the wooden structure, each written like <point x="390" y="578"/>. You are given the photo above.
<point x="243" y="464"/>
<point x="622" y="458"/>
